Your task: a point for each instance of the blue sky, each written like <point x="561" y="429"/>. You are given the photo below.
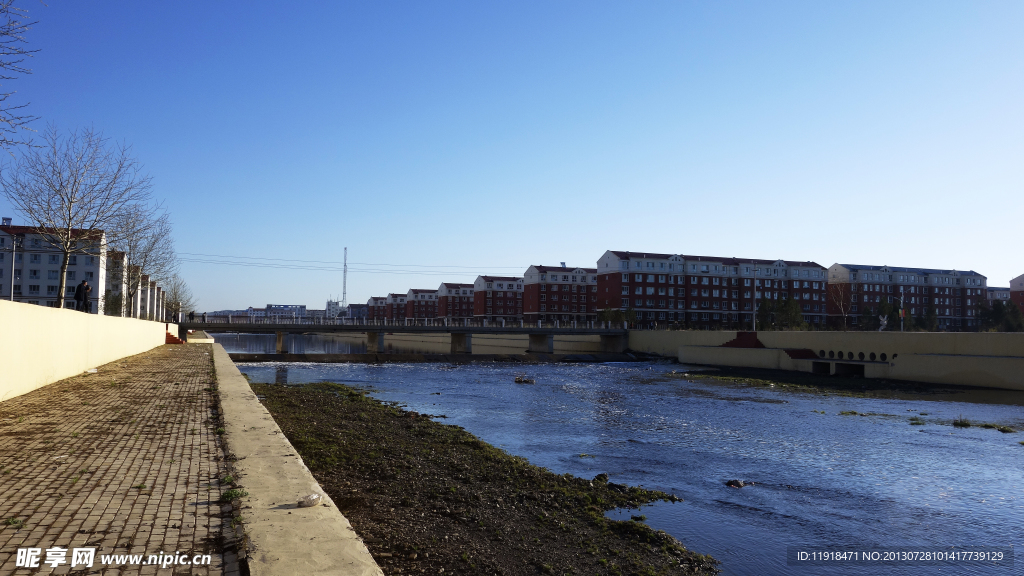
<point x="495" y="135"/>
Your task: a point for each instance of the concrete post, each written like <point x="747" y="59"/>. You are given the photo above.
<point x="541" y="344"/>
<point x="374" y="342"/>
<point x="280" y="343"/>
<point x="462" y="344"/>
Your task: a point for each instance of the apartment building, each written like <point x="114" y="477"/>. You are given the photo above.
<point x="454" y="300"/>
<point x="333" y="309"/>
<point x="285" y="312"/>
<point x="421" y="303"/>
<point x="1017" y="291"/>
<point x="356" y="311"/>
<point x="993" y="294"/>
<point x="30" y="268"/>
<point x="857" y="290"/>
<point x="498" y="298"/>
<point x="394" y="306"/>
<point x="706" y="292"/>
<point x="559" y="293"/>
<point x="115" y="294"/>
<point x="375" y="307"/>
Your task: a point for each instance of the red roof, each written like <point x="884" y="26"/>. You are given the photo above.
<point x="720" y="259"/>
<point x="566" y="269"/>
<point x="12" y="230"/>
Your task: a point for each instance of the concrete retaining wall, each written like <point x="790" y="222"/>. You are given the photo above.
<point x="490" y="344"/>
<point x="993" y="360"/>
<point x="40" y="345"/>
<point x="285" y="539"/>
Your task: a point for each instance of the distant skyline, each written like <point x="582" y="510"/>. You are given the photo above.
<point x="446" y="140"/>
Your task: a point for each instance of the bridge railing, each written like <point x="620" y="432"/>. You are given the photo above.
<point x="406" y="322"/>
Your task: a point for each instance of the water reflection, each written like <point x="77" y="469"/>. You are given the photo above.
<point x="821" y="478"/>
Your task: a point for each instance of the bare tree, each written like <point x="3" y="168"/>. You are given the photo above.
<point x="843" y="296"/>
<point x="142" y="233"/>
<point x="178" y="296"/>
<point x="12" y="53"/>
<point x="72" y="189"/>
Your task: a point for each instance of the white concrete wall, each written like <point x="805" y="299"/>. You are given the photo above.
<point x="40" y="345"/>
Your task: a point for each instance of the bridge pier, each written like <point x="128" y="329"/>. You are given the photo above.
<point x="280" y="344"/>
<point x="541" y="344"/>
<point x="462" y="344"/>
<point x="614" y="344"/>
<point x="374" y="342"/>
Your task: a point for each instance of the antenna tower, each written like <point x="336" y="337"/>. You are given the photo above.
<point x="344" y="281"/>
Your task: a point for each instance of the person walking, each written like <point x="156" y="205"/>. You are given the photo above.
<point x="204" y="317"/>
<point x="192" y="316"/>
<point x="82" y="292"/>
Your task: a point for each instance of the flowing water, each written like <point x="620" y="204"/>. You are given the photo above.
<point x="820" y="478"/>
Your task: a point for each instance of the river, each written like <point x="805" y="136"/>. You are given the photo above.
<point x="821" y="478"/>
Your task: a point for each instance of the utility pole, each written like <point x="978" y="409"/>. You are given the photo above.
<point x="344" y="281"/>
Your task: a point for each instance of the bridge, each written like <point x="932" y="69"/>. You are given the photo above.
<point x="541" y="335"/>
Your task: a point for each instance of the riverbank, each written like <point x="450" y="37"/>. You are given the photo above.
<point x="852" y="385"/>
<point x="429" y="497"/>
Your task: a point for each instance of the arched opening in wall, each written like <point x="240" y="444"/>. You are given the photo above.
<point x="821" y="353"/>
<point x="860" y="356"/>
<point x="872" y="356"/>
<point x="882" y="357"/>
<point x="831" y="354"/>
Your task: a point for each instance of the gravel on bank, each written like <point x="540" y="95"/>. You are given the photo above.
<point x="431" y="498"/>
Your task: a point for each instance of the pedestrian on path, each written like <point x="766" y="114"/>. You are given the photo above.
<point x="82" y="292"/>
<point x="204" y="317"/>
<point x="192" y="316"/>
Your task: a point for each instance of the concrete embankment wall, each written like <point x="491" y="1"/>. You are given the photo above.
<point x="284" y="538"/>
<point x="970" y="359"/>
<point x="40" y="345"/>
<point x="483" y="343"/>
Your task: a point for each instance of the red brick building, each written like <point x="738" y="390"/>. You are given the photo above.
<point x="498" y="298"/>
<point x="394" y="307"/>
<point x="559" y="293"/>
<point x="858" y="292"/>
<point x="706" y="292"/>
<point x="455" y="301"/>
<point x="1017" y="291"/>
<point x="375" y="308"/>
<point x="421" y="303"/>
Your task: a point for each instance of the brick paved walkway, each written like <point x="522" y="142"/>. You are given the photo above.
<point x="126" y="460"/>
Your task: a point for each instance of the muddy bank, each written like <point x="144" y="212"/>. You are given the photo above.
<point x="431" y="498"/>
